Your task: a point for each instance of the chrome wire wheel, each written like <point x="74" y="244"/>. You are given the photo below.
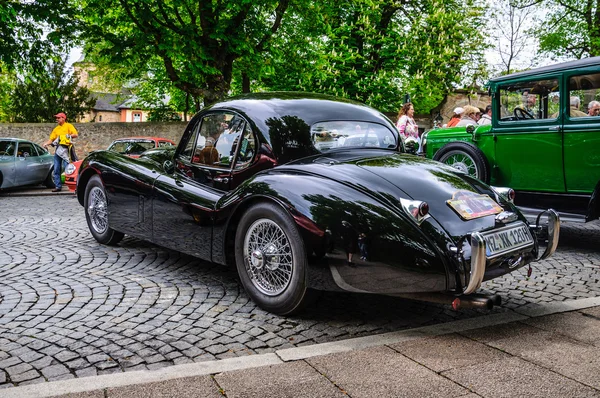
<point x="461" y="161"/>
<point x="97" y="210"/>
<point x="268" y="257"/>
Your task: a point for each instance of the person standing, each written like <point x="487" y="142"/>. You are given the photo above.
<point x="406" y="124"/>
<point x="486" y="117"/>
<point x="60" y="138"/>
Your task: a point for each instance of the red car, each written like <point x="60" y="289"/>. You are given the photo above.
<point x="130" y="146"/>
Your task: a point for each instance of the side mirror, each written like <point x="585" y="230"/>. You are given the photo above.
<point x="169" y="166"/>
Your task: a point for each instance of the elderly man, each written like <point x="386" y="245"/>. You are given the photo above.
<point x="574" y="101"/>
<point x="594" y="108"/>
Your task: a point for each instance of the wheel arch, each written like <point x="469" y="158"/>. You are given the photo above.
<point x="82" y="181"/>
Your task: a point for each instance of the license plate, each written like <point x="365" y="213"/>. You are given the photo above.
<point x="507" y="239"/>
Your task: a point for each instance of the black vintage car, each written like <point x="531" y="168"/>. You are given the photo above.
<point x="306" y="192"/>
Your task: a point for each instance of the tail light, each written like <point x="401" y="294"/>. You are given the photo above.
<point x="507" y="193"/>
<point x="418" y="209"/>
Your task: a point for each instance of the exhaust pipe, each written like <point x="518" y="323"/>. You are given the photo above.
<point x="476" y="300"/>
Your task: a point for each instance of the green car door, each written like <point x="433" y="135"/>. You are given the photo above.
<point x="528" y="150"/>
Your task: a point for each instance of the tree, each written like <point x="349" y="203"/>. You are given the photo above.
<point x="38" y="96"/>
<point x="33" y="31"/>
<point x="512" y="41"/>
<point x="569" y="27"/>
<point x="196" y="42"/>
<point x="376" y="51"/>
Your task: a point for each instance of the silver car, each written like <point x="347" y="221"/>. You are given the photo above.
<point x="23" y="162"/>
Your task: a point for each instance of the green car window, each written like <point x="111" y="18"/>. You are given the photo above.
<point x="584" y="96"/>
<point x="535" y="99"/>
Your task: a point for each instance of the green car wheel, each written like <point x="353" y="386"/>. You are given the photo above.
<point x="465" y="157"/>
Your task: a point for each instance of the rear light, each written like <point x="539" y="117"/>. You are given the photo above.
<point x="507" y="193"/>
<point x="418" y="209"/>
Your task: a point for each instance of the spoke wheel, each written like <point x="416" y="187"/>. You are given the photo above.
<point x="96" y="213"/>
<point x="465" y="157"/>
<point x="461" y="161"/>
<point x="271" y="259"/>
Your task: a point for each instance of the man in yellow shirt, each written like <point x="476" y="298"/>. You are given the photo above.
<point x="61" y="138"/>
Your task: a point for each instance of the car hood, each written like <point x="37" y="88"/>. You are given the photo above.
<point x="391" y="176"/>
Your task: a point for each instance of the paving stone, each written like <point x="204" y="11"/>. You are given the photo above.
<point x="137" y="301"/>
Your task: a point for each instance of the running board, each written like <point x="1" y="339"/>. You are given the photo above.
<point x="531" y="214"/>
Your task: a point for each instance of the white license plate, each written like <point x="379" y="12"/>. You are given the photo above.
<point x="506" y="239"/>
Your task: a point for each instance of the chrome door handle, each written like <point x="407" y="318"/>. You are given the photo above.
<point x="554" y="128"/>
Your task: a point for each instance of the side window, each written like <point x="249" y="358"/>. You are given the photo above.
<point x="190" y="146"/>
<point x="535" y="99"/>
<point x="247" y="148"/>
<point x="26" y="150"/>
<point x="584" y="96"/>
<point x="217" y="139"/>
<point x="41" y="151"/>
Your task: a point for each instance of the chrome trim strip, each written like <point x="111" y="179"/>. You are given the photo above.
<point x="478" y="261"/>
<point x="553" y="233"/>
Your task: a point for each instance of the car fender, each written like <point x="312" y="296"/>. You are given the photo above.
<point x="331" y="217"/>
<point x="593" y="212"/>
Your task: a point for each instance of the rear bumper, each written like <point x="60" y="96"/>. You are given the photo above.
<point x="478" y="250"/>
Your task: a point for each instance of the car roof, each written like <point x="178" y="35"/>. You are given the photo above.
<point x="310" y="108"/>
<point x="14" y="139"/>
<point x="578" y="64"/>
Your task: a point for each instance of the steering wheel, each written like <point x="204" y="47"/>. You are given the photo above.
<point x="2" y="153"/>
<point x="522" y="114"/>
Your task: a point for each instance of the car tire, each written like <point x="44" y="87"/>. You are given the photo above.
<point x="49" y="181"/>
<point x="271" y="259"/>
<point x="466" y="157"/>
<point x="96" y="213"/>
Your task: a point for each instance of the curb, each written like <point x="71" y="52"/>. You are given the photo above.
<point x="92" y="383"/>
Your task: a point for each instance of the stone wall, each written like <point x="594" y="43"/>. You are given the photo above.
<point x="94" y="136"/>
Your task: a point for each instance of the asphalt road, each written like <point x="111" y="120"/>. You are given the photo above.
<point x="70" y="307"/>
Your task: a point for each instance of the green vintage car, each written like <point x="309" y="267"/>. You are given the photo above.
<point x="544" y="139"/>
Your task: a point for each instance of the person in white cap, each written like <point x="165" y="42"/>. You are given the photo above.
<point x="455" y="117"/>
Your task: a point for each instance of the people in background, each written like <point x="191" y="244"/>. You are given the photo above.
<point x="457" y="113"/>
<point x="486" y="116"/>
<point x="61" y="138"/>
<point x="469" y="116"/>
<point x="594" y="108"/>
<point x="406" y="124"/>
<point x="574" y="101"/>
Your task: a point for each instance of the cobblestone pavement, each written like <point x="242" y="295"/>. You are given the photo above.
<point x="70" y="307"/>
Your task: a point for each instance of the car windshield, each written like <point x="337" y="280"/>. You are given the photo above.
<point x="7" y="148"/>
<point x="131" y="147"/>
<point x="345" y="134"/>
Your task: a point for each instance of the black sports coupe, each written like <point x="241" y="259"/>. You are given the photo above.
<point x="306" y="192"/>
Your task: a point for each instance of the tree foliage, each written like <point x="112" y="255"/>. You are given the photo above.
<point x="38" y="96"/>
<point x="570" y="27"/>
<point x="378" y="51"/>
<point x="196" y="42"/>
<point x="32" y="32"/>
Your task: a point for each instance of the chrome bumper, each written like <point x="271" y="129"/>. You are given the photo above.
<point x="553" y="231"/>
<point x="478" y="260"/>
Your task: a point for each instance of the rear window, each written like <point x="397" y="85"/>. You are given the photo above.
<point x="347" y="134"/>
<point x="131" y="147"/>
